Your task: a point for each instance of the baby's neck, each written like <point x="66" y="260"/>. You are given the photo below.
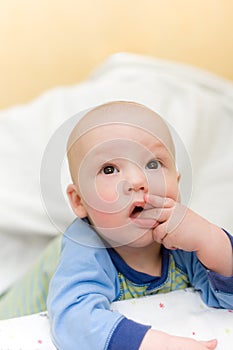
<point x="144" y="259"/>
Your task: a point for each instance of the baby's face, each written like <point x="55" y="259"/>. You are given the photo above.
<point x="117" y="166"/>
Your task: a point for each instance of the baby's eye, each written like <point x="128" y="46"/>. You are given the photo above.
<point x="109" y="169"/>
<point x="153" y="165"/>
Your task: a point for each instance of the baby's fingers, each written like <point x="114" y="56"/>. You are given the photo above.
<point x="160" y="233"/>
<point x="159" y="214"/>
<point x="169" y="240"/>
<point x="211" y="344"/>
<point x="159" y="202"/>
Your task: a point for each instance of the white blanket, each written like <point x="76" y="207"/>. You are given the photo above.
<point x="180" y="313"/>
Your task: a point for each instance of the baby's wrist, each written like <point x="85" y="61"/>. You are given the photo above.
<point x="156" y="340"/>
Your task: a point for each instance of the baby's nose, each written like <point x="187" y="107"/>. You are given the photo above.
<point x="137" y="182"/>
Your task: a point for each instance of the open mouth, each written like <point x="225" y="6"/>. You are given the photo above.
<point x="136" y="211"/>
<point x="143" y="221"/>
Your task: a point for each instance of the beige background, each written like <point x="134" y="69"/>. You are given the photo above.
<point x="45" y="43"/>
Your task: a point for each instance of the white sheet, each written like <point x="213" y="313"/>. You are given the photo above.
<point x="197" y="104"/>
<point x="180" y="313"/>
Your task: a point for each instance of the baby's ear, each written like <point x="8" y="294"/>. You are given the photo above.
<point x="76" y="201"/>
<point x="178" y="176"/>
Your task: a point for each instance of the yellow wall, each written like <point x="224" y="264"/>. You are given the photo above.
<point x="45" y="43"/>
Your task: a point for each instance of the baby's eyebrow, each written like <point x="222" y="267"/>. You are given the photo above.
<point x="102" y="157"/>
<point x="159" y="147"/>
<point x="163" y="153"/>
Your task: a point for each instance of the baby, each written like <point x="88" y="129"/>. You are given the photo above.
<point x="132" y="236"/>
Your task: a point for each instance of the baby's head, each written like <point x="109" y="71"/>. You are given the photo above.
<point x="119" y="153"/>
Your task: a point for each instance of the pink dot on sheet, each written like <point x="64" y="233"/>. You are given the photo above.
<point x="40" y="341"/>
<point x="162" y="306"/>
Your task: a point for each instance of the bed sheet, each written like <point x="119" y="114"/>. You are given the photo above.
<point x="180" y="313"/>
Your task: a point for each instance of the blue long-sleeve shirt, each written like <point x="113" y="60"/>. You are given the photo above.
<point x="89" y="277"/>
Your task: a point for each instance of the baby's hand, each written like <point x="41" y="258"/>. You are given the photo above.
<point x="179" y="227"/>
<point x="159" y="340"/>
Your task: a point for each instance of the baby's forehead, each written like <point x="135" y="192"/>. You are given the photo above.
<point x="122" y="114"/>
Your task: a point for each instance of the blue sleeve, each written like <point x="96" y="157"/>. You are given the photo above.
<point x="80" y="293"/>
<point x="222" y="285"/>
<point x="128" y="335"/>
<point x="216" y="290"/>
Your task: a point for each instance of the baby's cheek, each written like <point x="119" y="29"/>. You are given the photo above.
<point x="163" y="184"/>
<point x="110" y="196"/>
<point x="106" y="191"/>
<point x="157" y="183"/>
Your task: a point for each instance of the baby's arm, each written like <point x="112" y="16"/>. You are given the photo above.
<point x="154" y="340"/>
<point x="81" y="290"/>
<point x="181" y="228"/>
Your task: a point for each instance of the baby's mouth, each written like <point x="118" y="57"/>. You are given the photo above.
<point x="138" y="214"/>
<point x="136" y="211"/>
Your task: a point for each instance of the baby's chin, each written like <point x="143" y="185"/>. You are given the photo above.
<point x="128" y="235"/>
